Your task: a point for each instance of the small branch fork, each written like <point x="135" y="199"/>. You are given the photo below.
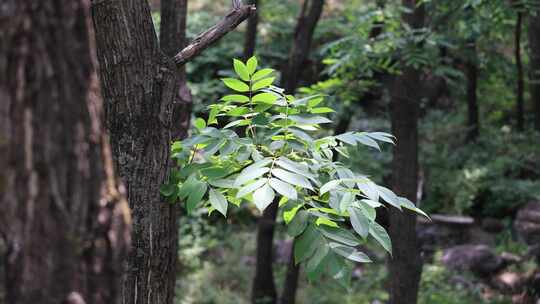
<point x="238" y="14"/>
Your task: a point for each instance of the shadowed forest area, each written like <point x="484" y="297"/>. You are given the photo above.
<point x="270" y="152"/>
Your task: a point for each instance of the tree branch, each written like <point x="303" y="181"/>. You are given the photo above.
<point x="213" y="34"/>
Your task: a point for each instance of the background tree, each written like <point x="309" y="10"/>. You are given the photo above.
<point x="263" y="284"/>
<point x="141" y="89"/>
<point x="64" y="218"/>
<point x="534" y="54"/>
<point x="405" y="266"/>
<point x="250" y="41"/>
<point x="520" y="119"/>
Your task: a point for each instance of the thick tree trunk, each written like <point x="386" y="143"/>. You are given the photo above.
<point x="140" y="85"/>
<point x="534" y="45"/>
<point x="64" y="220"/>
<point x="471" y="74"/>
<point x="250" y="41"/>
<point x="405" y="265"/>
<point x="520" y="121"/>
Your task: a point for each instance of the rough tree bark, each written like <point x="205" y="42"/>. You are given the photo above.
<point x="263" y="289"/>
<point x="405" y="266"/>
<point x="471" y="74"/>
<point x="250" y="41"/>
<point x="534" y="55"/>
<point x="520" y="121"/>
<point x="140" y="85"/>
<point x="64" y="218"/>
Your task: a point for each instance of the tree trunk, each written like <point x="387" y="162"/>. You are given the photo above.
<point x="534" y="45"/>
<point x="250" y="41"/>
<point x="140" y="85"/>
<point x="264" y="287"/>
<point x="519" y="70"/>
<point x="305" y="28"/>
<point x="405" y="265"/>
<point x="173" y="38"/>
<point x="471" y="73"/>
<point x="263" y="283"/>
<point x="303" y="35"/>
<point x="64" y="220"/>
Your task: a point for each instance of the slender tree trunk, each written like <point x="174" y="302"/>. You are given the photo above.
<point x="141" y="86"/>
<point x="534" y="45"/>
<point x="173" y="38"/>
<point x="250" y="41"/>
<point x="263" y="288"/>
<point x="519" y="70"/>
<point x="64" y="220"/>
<point x="405" y="266"/>
<point x="471" y="73"/>
<point x="305" y="28"/>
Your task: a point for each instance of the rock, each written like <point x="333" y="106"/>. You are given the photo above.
<point x="479" y="259"/>
<point x="477" y="236"/>
<point x="527" y="223"/>
<point x="492" y="225"/>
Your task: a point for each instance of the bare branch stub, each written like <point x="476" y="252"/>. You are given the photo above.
<point x="213" y="34"/>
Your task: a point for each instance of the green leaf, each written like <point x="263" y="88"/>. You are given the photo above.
<point x="263" y="197"/>
<point x="359" y="222"/>
<point x="236" y="84"/>
<point x="369" y="189"/>
<point x="349" y="253"/>
<point x="367" y="141"/>
<point x="298" y="221"/>
<point x="250" y="188"/>
<point x="252" y="65"/>
<point x="265" y="98"/>
<point x="339" y="235"/>
<point x="261" y="74"/>
<point x="235" y="97"/>
<point x="316" y="263"/>
<point x="263" y="83"/>
<point x="222" y="183"/>
<point x="199" y="123"/>
<point x="306" y="244"/>
<point x="241" y="69"/>
<point x="324" y="221"/>
<point x="249" y="174"/>
<point x="218" y="201"/>
<point x="298" y="168"/>
<point x="346" y="201"/>
<point x="309" y="119"/>
<point x="331" y="185"/>
<point x="380" y="234"/>
<point x="168" y="189"/>
<point x="407" y="204"/>
<point x="321" y="110"/>
<point x="187" y="187"/>
<point x="389" y="196"/>
<point x="284" y="189"/>
<point x="238" y="111"/>
<point x="292" y="178"/>
<point x="381" y="136"/>
<point x="195" y="197"/>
